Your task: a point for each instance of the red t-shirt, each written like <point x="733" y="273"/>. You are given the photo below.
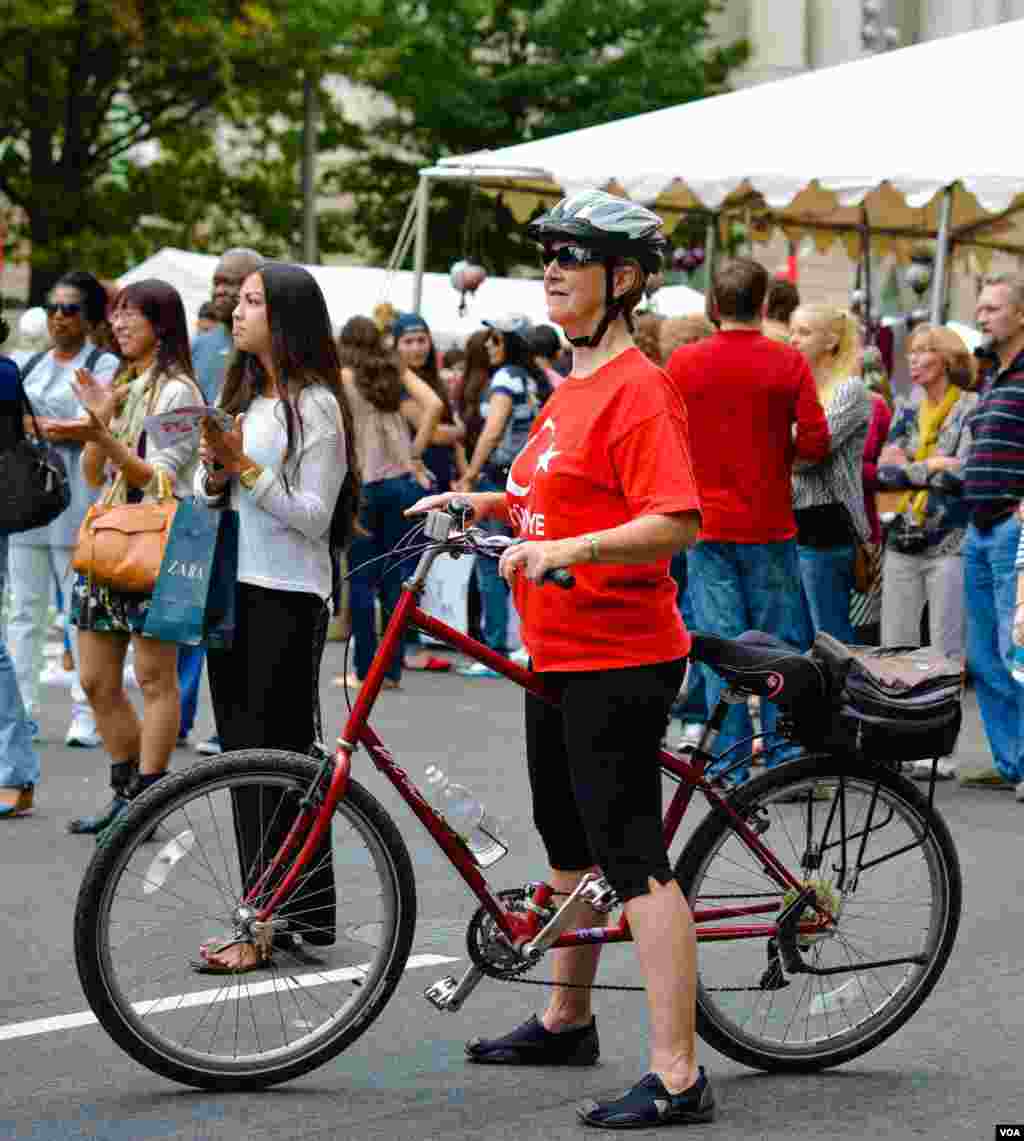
<point x="606" y="449"/>
<point x="752" y="407"/>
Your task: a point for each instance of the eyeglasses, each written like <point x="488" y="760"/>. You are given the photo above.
<point x="569" y="257"/>
<point x="72" y="309"/>
<point x="125" y="316"/>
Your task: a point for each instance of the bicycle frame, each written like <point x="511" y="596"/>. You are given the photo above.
<point x="313" y="822"/>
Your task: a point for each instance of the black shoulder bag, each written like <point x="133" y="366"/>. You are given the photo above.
<point x="34" y="485"/>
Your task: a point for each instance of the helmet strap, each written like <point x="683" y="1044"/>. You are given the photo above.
<point x="612" y="308"/>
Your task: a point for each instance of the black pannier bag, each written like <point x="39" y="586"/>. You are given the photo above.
<point x="890" y="704"/>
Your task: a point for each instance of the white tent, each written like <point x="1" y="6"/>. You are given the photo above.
<point x="356" y="289"/>
<point x="906" y="144"/>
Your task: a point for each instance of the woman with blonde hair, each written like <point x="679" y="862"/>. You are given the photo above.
<point x="922" y="559"/>
<point x="828" y="496"/>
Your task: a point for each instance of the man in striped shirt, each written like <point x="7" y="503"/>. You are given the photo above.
<point x="993" y="486"/>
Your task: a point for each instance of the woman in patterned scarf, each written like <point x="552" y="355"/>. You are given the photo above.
<point x="155" y="376"/>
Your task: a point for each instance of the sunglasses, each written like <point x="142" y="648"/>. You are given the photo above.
<point x="70" y="310"/>
<point x="569" y="257"/>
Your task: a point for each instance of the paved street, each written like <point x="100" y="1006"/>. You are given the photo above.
<point x="953" y="1072"/>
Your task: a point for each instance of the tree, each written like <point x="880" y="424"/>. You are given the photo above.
<point x="469" y="75"/>
<point x="88" y="86"/>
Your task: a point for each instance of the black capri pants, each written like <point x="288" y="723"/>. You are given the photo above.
<point x="594" y="770"/>
<point x="266" y="695"/>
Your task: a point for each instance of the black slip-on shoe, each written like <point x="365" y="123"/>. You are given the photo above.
<point x="648" y="1104"/>
<point x="532" y="1044"/>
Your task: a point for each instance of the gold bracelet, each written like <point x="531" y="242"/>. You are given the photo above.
<point x="594" y="549"/>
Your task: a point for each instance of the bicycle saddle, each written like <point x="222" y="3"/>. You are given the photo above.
<point x="763" y="665"/>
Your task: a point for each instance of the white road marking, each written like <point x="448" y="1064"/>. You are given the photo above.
<point x="177" y="1002"/>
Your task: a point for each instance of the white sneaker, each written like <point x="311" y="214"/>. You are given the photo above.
<point x="521" y="656"/>
<point x="944" y="770"/>
<point x="55" y="674"/>
<point x="81" y="732"/>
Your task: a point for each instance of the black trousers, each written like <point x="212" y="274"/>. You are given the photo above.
<point x="266" y="695"/>
<point x="595" y="772"/>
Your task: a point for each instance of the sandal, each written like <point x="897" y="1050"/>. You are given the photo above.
<point x="350" y="681"/>
<point x="214" y="947"/>
<point x="429" y="662"/>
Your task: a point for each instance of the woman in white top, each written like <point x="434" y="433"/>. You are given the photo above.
<point x="288" y="467"/>
<point x="76" y="304"/>
<point x="387" y="400"/>
<point x="155" y="376"/>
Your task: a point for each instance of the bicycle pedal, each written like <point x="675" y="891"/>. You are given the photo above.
<point x="448" y="995"/>
<point x="438" y="994"/>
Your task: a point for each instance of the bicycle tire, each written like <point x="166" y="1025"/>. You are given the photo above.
<point x="369" y="866"/>
<point x="742" y="1010"/>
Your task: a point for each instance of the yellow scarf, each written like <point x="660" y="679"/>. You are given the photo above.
<point x="930" y="418"/>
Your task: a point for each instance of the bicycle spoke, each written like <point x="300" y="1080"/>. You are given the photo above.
<point x="753" y="1006"/>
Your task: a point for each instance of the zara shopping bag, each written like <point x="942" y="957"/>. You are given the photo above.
<point x="191" y="581"/>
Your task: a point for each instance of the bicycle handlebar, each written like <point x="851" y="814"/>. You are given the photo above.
<point x="492" y="546"/>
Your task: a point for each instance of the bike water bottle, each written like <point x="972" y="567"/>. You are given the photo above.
<point x="466" y="816"/>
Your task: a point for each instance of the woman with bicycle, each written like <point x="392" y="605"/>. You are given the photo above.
<point x="604" y="485"/>
<point x="287" y="466"/>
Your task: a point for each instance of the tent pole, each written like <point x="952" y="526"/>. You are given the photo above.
<point x="866" y="253"/>
<point x="420" y="253"/>
<point x="941" y="257"/>
<point x="711" y="247"/>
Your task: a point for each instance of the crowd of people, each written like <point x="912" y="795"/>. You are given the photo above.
<point x="720" y="472"/>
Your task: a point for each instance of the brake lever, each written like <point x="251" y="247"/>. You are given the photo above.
<point x="559" y="576"/>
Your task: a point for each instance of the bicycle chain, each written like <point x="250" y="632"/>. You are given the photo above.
<point x="513" y="899"/>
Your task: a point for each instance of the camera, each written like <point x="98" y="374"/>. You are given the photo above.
<point x="906" y="537"/>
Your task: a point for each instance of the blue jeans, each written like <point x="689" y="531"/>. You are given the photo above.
<point x="19" y="761"/>
<point x="493" y="588"/>
<point x="384" y="500"/>
<point x="827" y="577"/>
<point x="990" y="585"/>
<point x="190" y="675"/>
<point x="748" y="586"/>
<point x="693" y="709"/>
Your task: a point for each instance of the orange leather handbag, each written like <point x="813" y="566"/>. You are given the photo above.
<point x="122" y="546"/>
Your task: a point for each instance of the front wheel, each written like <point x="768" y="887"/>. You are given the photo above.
<point x="174" y="872"/>
<point x="884" y="865"/>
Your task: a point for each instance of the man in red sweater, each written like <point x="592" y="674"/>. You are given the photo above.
<point x="753" y="408"/>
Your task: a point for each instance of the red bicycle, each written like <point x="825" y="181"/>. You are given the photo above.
<point x="827" y="891"/>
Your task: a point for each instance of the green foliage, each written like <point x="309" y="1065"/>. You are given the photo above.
<point x="130" y="124"/>
<point x="88" y="86"/>
<point x="469" y="75"/>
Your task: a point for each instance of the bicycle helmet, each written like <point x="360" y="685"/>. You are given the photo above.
<point x="613" y="227"/>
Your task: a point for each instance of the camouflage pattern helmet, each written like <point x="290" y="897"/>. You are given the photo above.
<point x="607" y="224"/>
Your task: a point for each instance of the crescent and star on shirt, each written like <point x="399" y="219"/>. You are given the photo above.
<point x="543" y="460"/>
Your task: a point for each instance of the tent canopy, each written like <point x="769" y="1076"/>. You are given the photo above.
<point x="349" y="290"/>
<point x="868" y="144"/>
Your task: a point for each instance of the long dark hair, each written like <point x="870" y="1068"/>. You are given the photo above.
<point x="476" y="376"/>
<point x="305" y="355"/>
<point x="376" y="371"/>
<point x="430" y="374"/>
<point x="160" y="303"/>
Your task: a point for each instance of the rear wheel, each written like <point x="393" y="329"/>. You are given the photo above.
<point x="885" y="866"/>
<point x="174" y="873"/>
